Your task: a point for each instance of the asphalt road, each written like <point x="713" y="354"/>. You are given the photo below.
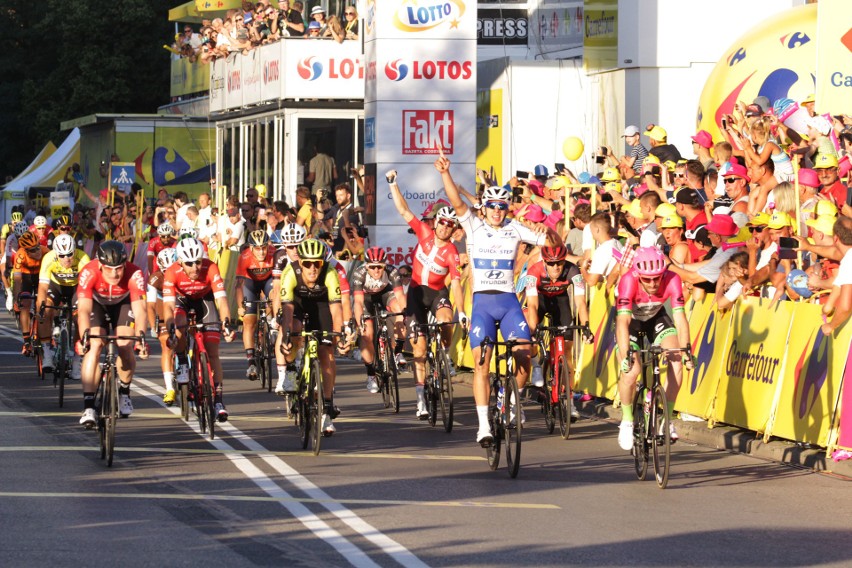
<point x="386" y="490"/>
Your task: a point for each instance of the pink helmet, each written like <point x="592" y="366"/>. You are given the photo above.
<point x="649" y="261"/>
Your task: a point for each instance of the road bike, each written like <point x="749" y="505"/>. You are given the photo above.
<point x="505" y="415"/>
<point x="438" y="388"/>
<point x="387" y="373"/>
<point x="64" y="340"/>
<point x="310" y="401"/>
<point x="106" y="397"/>
<point x="651" y="428"/>
<point x="264" y="345"/>
<point x="557" y="393"/>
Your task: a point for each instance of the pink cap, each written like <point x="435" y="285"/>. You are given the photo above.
<point x="536" y="187"/>
<point x="553" y="218"/>
<point x="722" y="225"/>
<point x="703" y="139"/>
<point x="104" y="193"/>
<point x="534" y="214"/>
<point x="808" y="177"/>
<point x="843" y="166"/>
<point x="736" y="170"/>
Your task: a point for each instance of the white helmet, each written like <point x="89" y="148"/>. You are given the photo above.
<point x="329" y="254"/>
<point x="293" y="234"/>
<point x="447" y="213"/>
<point x="21" y="228"/>
<point x="40" y="221"/>
<point x="187" y="232"/>
<point x="496" y="193"/>
<point x="189" y="250"/>
<point x="166" y="258"/>
<point x="64" y="244"/>
<point x="165" y="230"/>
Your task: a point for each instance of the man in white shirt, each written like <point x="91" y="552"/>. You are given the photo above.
<point x="607" y="254"/>
<point x="182" y="203"/>
<point x="232" y="228"/>
<point x="839" y="305"/>
<point x="205" y="210"/>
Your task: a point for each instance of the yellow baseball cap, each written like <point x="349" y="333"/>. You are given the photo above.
<point x="559" y="182"/>
<point x="825" y="207"/>
<point x="759" y="220"/>
<point x="635" y="209"/>
<point x="671" y="222"/>
<point x="808" y="99"/>
<point x="657" y="133"/>
<point x="612" y="186"/>
<point x="824" y="161"/>
<point x="611" y="174"/>
<point x="665" y="209"/>
<point x="823" y="224"/>
<point x="779" y="220"/>
<point x="651" y="159"/>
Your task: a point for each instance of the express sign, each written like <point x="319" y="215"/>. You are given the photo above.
<point x="427" y="131"/>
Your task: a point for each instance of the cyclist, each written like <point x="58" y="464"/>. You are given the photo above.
<point x="25" y="282"/>
<point x="41" y="230"/>
<point x="435" y="260"/>
<point x="552" y="286"/>
<point x="194" y="282"/>
<point x="310" y="290"/>
<point x="165" y="239"/>
<point x="165" y="259"/>
<point x="57" y="284"/>
<point x="8" y="261"/>
<point x="376" y="285"/>
<point x="291" y="236"/>
<point x="641" y="295"/>
<point x="109" y="287"/>
<point x="254" y="275"/>
<point x="6" y="231"/>
<point x="63" y="226"/>
<point x="493" y="246"/>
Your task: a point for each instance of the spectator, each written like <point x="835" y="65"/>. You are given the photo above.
<point x="732" y="281"/>
<point x="182" y="203"/>
<point x="736" y="180"/>
<point x="343" y="208"/>
<point x="289" y="20"/>
<point x="318" y="16"/>
<point x="688" y="205"/>
<point x="351" y="28"/>
<point x="305" y="215"/>
<point x="720" y="230"/>
<point x="322" y="170"/>
<point x="660" y="147"/>
<point x="607" y="254"/>
<point x="314" y="29"/>
<point x="574" y="240"/>
<point x="232" y="229"/>
<point x="631" y="165"/>
<point x="767" y="150"/>
<point x="205" y="210"/>
<point x="702" y="142"/>
<point x="839" y="305"/>
<point x="826" y="168"/>
<point x="334" y="29"/>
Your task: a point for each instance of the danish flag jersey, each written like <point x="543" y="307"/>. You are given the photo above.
<point x="177" y="283"/>
<point x="432" y="264"/>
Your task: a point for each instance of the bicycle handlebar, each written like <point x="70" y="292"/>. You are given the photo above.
<point x="510" y="343"/>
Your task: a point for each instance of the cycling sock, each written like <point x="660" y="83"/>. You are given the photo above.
<point x="671" y="410"/>
<point x="88" y="400"/>
<point x="282" y="369"/>
<point x="371" y="369"/>
<point x="123" y="388"/>
<point x="397" y="346"/>
<point x="250" y="354"/>
<point x="626" y="412"/>
<point x="420" y="396"/>
<point x="482" y="414"/>
<point x="169" y="379"/>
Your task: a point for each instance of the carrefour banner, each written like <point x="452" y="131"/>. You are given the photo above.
<point x="599" y="365"/>
<point x="833" y="57"/>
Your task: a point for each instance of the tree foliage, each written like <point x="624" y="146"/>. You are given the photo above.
<point x="64" y="60"/>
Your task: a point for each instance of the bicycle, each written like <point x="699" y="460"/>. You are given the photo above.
<point x="651" y="415"/>
<point x="203" y="389"/>
<point x="64" y="345"/>
<point x="557" y="392"/>
<point x="106" y="397"/>
<point x="264" y="345"/>
<point x="309" y="400"/>
<point x="505" y="419"/>
<point x="439" y="385"/>
<point x="33" y="347"/>
<point x="387" y="373"/>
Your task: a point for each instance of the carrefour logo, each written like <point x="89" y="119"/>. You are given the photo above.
<point x="309" y="69"/>
<point x="396" y="71"/>
<point x="811" y="372"/>
<point x="423" y="15"/>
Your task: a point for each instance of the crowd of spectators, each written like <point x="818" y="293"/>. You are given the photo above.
<point x="254" y="25"/>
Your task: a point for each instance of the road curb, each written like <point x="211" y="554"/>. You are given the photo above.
<point x="727" y="438"/>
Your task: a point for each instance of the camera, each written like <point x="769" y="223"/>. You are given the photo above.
<point x="600" y="159"/>
<point x="602" y="151"/>
<point x="517" y="195"/>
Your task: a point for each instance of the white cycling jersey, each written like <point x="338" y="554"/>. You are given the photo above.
<point x="492" y="251"/>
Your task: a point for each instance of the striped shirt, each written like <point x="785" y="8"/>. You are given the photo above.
<point x="639" y="152"/>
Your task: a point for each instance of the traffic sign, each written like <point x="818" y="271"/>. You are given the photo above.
<point x="122" y="175"/>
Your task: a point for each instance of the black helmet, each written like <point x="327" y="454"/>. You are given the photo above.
<point x="112" y="253"/>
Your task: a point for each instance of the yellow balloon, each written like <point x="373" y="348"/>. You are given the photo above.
<point x="572" y="148"/>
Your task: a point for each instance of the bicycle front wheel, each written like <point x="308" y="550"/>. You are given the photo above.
<point x="392" y="380"/>
<point x="662" y="436"/>
<point x="61" y="362"/>
<point x="208" y="407"/>
<point x="430" y="389"/>
<point x="183" y="397"/>
<point x="304" y="399"/>
<point x="640" y="438"/>
<point x="317" y="407"/>
<point x="111" y="412"/>
<point x="495" y="422"/>
<point x="513" y="426"/>
<point x="38" y="352"/>
<point x="564" y="396"/>
<point x="445" y="386"/>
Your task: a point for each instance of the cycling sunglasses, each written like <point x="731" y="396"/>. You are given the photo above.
<point x="191" y="262"/>
<point x="500" y="205"/>
<point x="311" y="263"/>
<point x="650" y="279"/>
<point x="69" y="255"/>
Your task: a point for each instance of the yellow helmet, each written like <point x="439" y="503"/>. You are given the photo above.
<point x="311" y="249"/>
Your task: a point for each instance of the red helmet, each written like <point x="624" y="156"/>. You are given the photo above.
<point x="649" y="261"/>
<point x="376" y="255"/>
<point x="553" y="254"/>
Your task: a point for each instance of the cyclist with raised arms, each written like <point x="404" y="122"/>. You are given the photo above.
<point x="435" y="259"/>
<point x="552" y="286"/>
<point x="310" y="290"/>
<point x="165" y="239"/>
<point x="194" y="282"/>
<point x="642" y="293"/>
<point x="25" y="271"/>
<point x="110" y="286"/>
<point x="377" y="286"/>
<point x="493" y="246"/>
<point x="254" y="277"/>
<point x="165" y="259"/>
<point x="57" y="284"/>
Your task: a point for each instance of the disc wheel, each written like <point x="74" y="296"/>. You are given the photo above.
<point x="662" y="445"/>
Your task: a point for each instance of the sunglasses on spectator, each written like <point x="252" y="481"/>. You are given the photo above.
<point x="756" y="229"/>
<point x="499" y="205"/>
<point x="680" y="175"/>
<point x="447" y="223"/>
<point x="826" y="171"/>
<point x="69" y="255"/>
<point x="311" y="264"/>
<point x="731" y="180"/>
<point x="650" y="279"/>
<point x="405" y="275"/>
<point x="191" y="262"/>
<point x="375" y="266"/>
<point x="349" y="13"/>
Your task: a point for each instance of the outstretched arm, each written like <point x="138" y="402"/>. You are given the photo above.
<point x="398" y="199"/>
<point x="442" y="164"/>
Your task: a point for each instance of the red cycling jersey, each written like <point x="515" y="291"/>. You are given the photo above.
<point x="539" y="283"/>
<point x="633" y="299"/>
<point x="91" y="284"/>
<point x="341" y="275"/>
<point x="155" y="245"/>
<point x="432" y="264"/>
<point x="177" y="283"/>
<point x="42" y="237"/>
<point x="249" y="267"/>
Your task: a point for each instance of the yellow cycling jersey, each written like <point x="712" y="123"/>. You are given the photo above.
<point x="6" y="230"/>
<point x="326" y="289"/>
<point x="53" y="271"/>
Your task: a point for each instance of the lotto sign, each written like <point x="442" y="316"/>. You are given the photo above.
<point x="427" y="131"/>
<point x="445" y="19"/>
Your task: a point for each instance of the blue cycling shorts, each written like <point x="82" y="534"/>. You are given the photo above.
<point x="502" y="307"/>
